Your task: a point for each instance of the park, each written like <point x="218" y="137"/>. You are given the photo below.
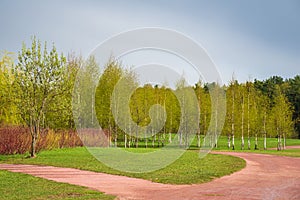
<point x="149" y="100"/>
<point x="52" y="149"/>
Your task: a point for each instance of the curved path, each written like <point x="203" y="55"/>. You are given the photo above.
<point x="264" y="177"/>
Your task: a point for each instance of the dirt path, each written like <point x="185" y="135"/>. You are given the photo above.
<point x="264" y="177"/>
<point x="288" y="147"/>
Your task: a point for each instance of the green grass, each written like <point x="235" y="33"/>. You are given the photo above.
<point x="23" y="186"/>
<point x="188" y="169"/>
<point x="271" y="143"/>
<point x="222" y="142"/>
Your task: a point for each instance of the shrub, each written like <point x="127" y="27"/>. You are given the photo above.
<point x="17" y="140"/>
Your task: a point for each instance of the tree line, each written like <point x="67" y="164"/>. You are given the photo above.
<point x="37" y="91"/>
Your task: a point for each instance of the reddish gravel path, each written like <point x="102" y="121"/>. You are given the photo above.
<point x="264" y="177"/>
<point x="288" y="147"/>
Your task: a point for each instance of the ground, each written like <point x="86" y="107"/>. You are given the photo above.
<point x="264" y="177"/>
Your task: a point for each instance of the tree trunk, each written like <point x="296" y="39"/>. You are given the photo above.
<point x="109" y="139"/>
<point x="265" y="132"/>
<point x="243" y="142"/>
<point x="243" y="110"/>
<point x="129" y="136"/>
<point x="216" y="142"/>
<point x="137" y="139"/>
<point x="35" y="132"/>
<point x="180" y="138"/>
<point x="284" y="141"/>
<point x="249" y="144"/>
<point x="129" y="141"/>
<point x="228" y="142"/>
<point x="232" y="122"/>
<point x="116" y="136"/>
<point x="153" y="138"/>
<point x="278" y="140"/>
<point x="158" y="139"/>
<point x="256" y="144"/>
<point x="265" y="142"/>
<point x="198" y="140"/>
<point x="199" y="131"/>
<point x="33" y="145"/>
<point x="146" y="141"/>
<point x="110" y="133"/>
<point x="171" y="125"/>
<point x="232" y="141"/>
<point x="125" y="140"/>
<point x="248" y="120"/>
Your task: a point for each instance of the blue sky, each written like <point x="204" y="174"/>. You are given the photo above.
<point x="254" y="38"/>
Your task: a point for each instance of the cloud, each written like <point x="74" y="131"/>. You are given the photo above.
<point x="253" y="38"/>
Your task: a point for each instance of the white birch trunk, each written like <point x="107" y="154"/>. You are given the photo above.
<point x="284" y="141"/>
<point x="243" y="110"/>
<point x="256" y="144"/>
<point x="232" y="118"/>
<point x="265" y="142"/>
<point x="232" y="142"/>
<point x="248" y="120"/>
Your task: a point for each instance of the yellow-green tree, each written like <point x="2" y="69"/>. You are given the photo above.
<point x="39" y="77"/>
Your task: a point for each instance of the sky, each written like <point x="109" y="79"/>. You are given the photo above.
<point x="245" y="39"/>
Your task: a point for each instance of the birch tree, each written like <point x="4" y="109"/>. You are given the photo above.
<point x="281" y="118"/>
<point x="8" y="110"/>
<point x="109" y="78"/>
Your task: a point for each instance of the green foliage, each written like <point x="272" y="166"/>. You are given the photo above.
<point x="39" y="82"/>
<point x="290" y="88"/>
<point x="39" y="93"/>
<point x="84" y="95"/>
<point x="59" y="114"/>
<point x="293" y="94"/>
<point x="280" y="116"/>
<point x="109" y="78"/>
<point x="8" y="110"/>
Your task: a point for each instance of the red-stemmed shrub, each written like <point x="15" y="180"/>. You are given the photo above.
<point x="17" y="140"/>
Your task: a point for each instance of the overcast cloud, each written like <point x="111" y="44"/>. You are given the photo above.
<point x="248" y="38"/>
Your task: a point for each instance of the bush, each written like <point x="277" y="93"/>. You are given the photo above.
<point x="17" y="140"/>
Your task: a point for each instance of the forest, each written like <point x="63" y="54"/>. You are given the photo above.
<point x="37" y="98"/>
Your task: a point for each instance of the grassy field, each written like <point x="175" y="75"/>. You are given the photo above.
<point x="271" y="144"/>
<point x="222" y="142"/>
<point x="21" y="186"/>
<point x="188" y="169"/>
<point x="222" y="146"/>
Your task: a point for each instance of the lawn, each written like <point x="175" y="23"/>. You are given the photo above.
<point x="188" y="169"/>
<point x="222" y="142"/>
<point x="23" y="186"/>
<point x="271" y="144"/>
